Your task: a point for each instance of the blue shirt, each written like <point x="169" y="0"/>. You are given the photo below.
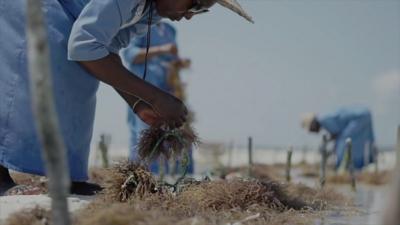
<point x="157" y="67"/>
<point x="353" y="122"/>
<point x="77" y="30"/>
<point x="106" y="26"/>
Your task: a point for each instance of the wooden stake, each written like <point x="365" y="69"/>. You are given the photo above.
<point x="250" y="151"/>
<point x="230" y="154"/>
<point x="103" y="146"/>
<point x="376" y="158"/>
<point x="398" y="147"/>
<point x="324" y="156"/>
<point x="289" y="163"/>
<point x="46" y="120"/>
<point x="392" y="215"/>
<point x="351" y="164"/>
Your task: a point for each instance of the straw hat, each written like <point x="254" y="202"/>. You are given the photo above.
<point x="307" y="119"/>
<point x="235" y="7"/>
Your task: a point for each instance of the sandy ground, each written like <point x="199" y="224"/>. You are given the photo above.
<point x="12" y="204"/>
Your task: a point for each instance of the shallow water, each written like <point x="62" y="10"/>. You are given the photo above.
<point x="369" y="203"/>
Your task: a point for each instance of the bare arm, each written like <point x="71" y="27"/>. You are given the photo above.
<point x="110" y="70"/>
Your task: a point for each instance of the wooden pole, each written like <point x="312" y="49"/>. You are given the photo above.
<point x="392" y="213"/>
<point x="351" y="164"/>
<point x="324" y="156"/>
<point x="161" y="167"/>
<point x="103" y="146"/>
<point x="289" y="163"/>
<point x="398" y="147"/>
<point x="375" y="153"/>
<point x="45" y="113"/>
<point x="250" y="151"/>
<point x="230" y="154"/>
<point x="367" y="153"/>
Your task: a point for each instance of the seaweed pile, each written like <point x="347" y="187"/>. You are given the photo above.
<point x="35" y="216"/>
<point x="133" y="196"/>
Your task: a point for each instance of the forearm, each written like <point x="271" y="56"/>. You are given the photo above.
<point x="110" y="70"/>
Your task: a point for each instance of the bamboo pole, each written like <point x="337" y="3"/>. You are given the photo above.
<point x="392" y="213"/>
<point x="324" y="156"/>
<point x="375" y="153"/>
<point x="349" y="149"/>
<point x="398" y="147"/>
<point x="250" y="152"/>
<point x="230" y="154"/>
<point x="45" y="113"/>
<point x="103" y="146"/>
<point x="289" y="163"/>
<point x="250" y="149"/>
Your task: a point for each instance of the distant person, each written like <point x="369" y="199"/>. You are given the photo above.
<point x="347" y="122"/>
<point x="163" y="67"/>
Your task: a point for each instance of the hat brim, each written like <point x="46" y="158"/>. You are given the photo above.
<point x="236" y="7"/>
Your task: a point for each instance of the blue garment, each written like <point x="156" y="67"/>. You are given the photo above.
<point x="353" y="122"/>
<point x="157" y="74"/>
<point x="81" y="30"/>
<point x="157" y="67"/>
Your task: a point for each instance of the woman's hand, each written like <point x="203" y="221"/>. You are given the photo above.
<point x="171" y="109"/>
<point x="147" y="114"/>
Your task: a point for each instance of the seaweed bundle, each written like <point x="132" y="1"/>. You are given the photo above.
<point x="160" y="140"/>
<point x="237" y="194"/>
<point x="127" y="179"/>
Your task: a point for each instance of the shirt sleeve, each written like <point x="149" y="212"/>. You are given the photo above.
<point x="331" y="122"/>
<point x="97" y="25"/>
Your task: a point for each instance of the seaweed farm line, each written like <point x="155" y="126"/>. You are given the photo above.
<point x="206" y="159"/>
<point x="370" y="200"/>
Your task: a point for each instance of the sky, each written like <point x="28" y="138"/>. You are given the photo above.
<point x="299" y="56"/>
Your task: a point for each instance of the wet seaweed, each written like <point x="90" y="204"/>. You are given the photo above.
<point x="132" y="196"/>
<point x="126" y="179"/>
<point x="39" y="182"/>
<point x="236" y="194"/>
<point x="160" y="140"/>
<point x="34" y="216"/>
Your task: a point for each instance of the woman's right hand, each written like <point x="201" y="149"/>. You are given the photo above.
<point x="171" y="109"/>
